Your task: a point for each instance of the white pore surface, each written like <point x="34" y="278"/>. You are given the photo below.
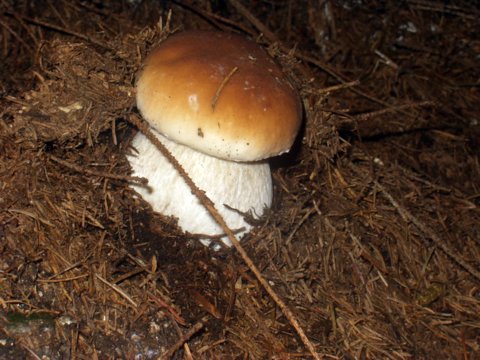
<point x="242" y="186"/>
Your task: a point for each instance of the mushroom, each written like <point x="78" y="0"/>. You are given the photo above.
<point x="221" y="106"/>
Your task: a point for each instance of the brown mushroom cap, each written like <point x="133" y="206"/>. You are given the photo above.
<point x="219" y="94"/>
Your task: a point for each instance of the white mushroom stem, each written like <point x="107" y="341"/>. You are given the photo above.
<point x="241" y="186"/>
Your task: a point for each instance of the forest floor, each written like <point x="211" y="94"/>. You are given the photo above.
<point x="373" y="240"/>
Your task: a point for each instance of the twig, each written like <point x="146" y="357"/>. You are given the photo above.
<point x="470" y="14"/>
<point x="208" y="204"/>
<point x="213" y="18"/>
<point x="63" y="279"/>
<point x="407" y="216"/>
<point x="32" y="215"/>
<point x="170" y="309"/>
<point x="128" y="275"/>
<point x="57" y="14"/>
<point x="371" y="114"/>
<point x="61" y="30"/>
<point x="386" y="59"/>
<point x="186" y="348"/>
<point x="183" y="339"/>
<point x="257" y="23"/>
<point x="118" y="290"/>
<point x="337" y="87"/>
<point x="31" y="352"/>
<point x="22" y="23"/>
<point x="222" y="85"/>
<point x="70" y="267"/>
<point x="82" y="170"/>
<point x="299" y="224"/>
<point x="16" y="36"/>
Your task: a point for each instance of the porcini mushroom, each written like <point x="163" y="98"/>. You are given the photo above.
<point x="221" y="106"/>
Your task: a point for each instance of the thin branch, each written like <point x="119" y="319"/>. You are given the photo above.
<point x="222" y="85"/>
<point x="441" y="7"/>
<point x="183" y="339"/>
<point x="208" y="204"/>
<point x="216" y="20"/>
<point x="163" y="304"/>
<point x="338" y="87"/>
<point x="62" y="30"/>
<point x="16" y="36"/>
<point x="20" y="20"/>
<point x="255" y="22"/>
<point x="118" y="290"/>
<point x="371" y="114"/>
<point x="30" y="351"/>
<point x="82" y="170"/>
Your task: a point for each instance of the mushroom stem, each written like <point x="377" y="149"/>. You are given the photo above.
<point x="242" y="186"/>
